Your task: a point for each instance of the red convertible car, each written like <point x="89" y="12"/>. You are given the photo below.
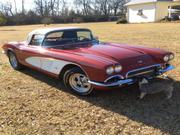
<point x="82" y="62"/>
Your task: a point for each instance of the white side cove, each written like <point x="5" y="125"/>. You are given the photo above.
<point x="48" y="64"/>
<point x="34" y="61"/>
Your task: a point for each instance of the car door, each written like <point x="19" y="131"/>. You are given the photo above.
<point x="31" y="53"/>
<point x="49" y="63"/>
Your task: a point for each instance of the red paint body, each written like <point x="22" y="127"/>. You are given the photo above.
<point x="93" y="59"/>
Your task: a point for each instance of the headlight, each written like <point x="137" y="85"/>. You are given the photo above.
<point x="118" y="68"/>
<point x="3" y="52"/>
<point x="166" y="58"/>
<point x="110" y="70"/>
<point x="171" y="57"/>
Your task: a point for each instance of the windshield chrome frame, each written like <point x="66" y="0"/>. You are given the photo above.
<point x="92" y="37"/>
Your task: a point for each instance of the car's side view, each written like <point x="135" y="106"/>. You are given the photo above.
<point x="82" y="62"/>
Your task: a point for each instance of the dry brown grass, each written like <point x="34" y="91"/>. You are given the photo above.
<point x="32" y="103"/>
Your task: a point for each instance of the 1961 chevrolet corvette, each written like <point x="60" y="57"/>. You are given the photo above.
<point x="82" y="62"/>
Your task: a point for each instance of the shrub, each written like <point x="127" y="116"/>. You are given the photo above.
<point x="3" y="20"/>
<point x="122" y="21"/>
<point x="46" y="21"/>
<point x="78" y="20"/>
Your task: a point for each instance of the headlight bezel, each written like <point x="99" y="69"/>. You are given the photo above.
<point x="118" y="68"/>
<point x="171" y="56"/>
<point x="114" y="69"/>
<point x="166" y="58"/>
<point x="110" y="70"/>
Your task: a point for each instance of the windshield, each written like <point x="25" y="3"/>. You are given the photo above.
<point x="59" y="38"/>
<point x="37" y="40"/>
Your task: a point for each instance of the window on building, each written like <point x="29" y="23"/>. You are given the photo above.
<point x="140" y="12"/>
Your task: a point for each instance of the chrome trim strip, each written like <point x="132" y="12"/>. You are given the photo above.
<point x="156" y="65"/>
<point x="145" y="72"/>
<point x="129" y="81"/>
<point x="119" y="83"/>
<point x="170" y="67"/>
<point x="120" y="76"/>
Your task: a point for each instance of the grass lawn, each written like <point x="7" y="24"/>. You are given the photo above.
<point x="32" y="103"/>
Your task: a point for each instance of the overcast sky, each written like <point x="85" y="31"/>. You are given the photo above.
<point x="29" y="4"/>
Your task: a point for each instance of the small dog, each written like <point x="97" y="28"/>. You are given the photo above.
<point x="165" y="85"/>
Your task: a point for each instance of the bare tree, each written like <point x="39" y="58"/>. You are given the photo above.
<point x="59" y="11"/>
<point x="15" y="6"/>
<point x="85" y="5"/>
<point x="52" y="4"/>
<point x="6" y="9"/>
<point x="49" y="7"/>
<point x="39" y="7"/>
<point x="117" y="5"/>
<point x="104" y="6"/>
<point x="64" y="8"/>
<point x="23" y="9"/>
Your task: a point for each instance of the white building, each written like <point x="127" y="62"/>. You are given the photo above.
<point x="139" y="11"/>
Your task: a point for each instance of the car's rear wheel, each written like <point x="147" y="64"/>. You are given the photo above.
<point x="14" y="61"/>
<point x="77" y="81"/>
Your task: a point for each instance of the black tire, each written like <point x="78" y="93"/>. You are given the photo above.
<point x="15" y="65"/>
<point x="67" y="80"/>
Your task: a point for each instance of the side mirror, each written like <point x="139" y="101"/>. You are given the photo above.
<point x="96" y="38"/>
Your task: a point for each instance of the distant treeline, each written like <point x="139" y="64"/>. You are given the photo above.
<point x="31" y="18"/>
<point x="58" y="11"/>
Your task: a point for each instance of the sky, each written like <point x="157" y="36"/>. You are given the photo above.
<point x="29" y="4"/>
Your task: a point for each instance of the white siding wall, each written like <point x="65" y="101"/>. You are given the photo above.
<point x="161" y="10"/>
<point x="149" y="13"/>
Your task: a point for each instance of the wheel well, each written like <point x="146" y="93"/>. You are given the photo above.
<point x="8" y="51"/>
<point x="68" y="67"/>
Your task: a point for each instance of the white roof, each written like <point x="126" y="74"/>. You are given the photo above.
<point x="44" y="31"/>
<point x="134" y="2"/>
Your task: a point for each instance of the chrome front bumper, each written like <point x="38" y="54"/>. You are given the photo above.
<point x="128" y="81"/>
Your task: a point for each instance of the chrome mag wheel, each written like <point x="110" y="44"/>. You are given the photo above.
<point x="79" y="82"/>
<point x="13" y="60"/>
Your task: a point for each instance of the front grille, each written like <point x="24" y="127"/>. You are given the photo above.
<point x="142" y="72"/>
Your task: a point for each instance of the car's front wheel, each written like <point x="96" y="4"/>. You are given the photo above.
<point x="14" y="61"/>
<point x="77" y="81"/>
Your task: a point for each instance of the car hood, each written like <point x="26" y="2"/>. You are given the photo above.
<point x="113" y="54"/>
<point x="128" y="57"/>
<point x="116" y="53"/>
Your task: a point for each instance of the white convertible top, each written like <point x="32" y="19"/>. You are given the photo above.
<point x="45" y="31"/>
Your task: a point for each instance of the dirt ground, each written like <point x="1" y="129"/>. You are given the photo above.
<point x="32" y="103"/>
